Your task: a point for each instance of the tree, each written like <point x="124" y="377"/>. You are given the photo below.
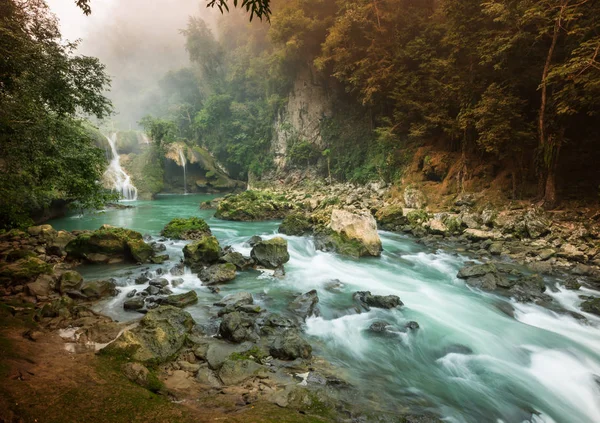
<point x="46" y="149"/>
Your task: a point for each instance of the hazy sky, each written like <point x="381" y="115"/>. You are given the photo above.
<point x="138" y="41"/>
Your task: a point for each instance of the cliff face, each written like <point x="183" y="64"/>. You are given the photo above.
<point x="300" y="120"/>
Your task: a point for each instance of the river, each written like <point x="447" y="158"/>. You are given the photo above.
<point x="470" y="360"/>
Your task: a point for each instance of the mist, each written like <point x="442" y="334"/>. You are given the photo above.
<point x="139" y="41"/>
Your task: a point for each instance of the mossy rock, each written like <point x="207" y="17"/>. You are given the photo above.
<point x="417" y="217"/>
<point x="203" y="251"/>
<point x="296" y="224"/>
<point x="158" y="338"/>
<point x="110" y="242"/>
<point x="329" y="240"/>
<point x="190" y="228"/>
<point x="70" y="281"/>
<point x="271" y="253"/>
<point x="391" y="218"/>
<point x="253" y="206"/>
<point x="24" y="270"/>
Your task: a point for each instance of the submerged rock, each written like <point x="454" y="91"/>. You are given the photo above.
<point x="366" y="300"/>
<point x="271" y="253"/>
<point x="379" y="326"/>
<point x="158" y="338"/>
<point x="217" y="273"/>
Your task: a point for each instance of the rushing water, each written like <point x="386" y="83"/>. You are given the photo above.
<point x="469" y="361"/>
<point x="182" y="160"/>
<point x="116" y="176"/>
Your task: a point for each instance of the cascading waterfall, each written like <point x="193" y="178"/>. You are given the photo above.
<point x="116" y="176"/>
<point x="182" y="159"/>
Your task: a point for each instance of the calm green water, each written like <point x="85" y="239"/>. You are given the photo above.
<point x="468" y="362"/>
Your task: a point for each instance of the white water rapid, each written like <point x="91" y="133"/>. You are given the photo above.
<point x="116" y="176"/>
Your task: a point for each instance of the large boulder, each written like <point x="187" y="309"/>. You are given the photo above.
<point x="414" y="198"/>
<point x="306" y="305"/>
<point x="24" y="270"/>
<point x="204" y="251"/>
<point x="366" y="300"/>
<point x="295" y="224"/>
<point x="99" y="289"/>
<point x="391" y="218"/>
<point x="190" y="228"/>
<point x="44" y="233"/>
<point x="59" y="243"/>
<point x="253" y="206"/>
<point x="159" y="336"/>
<point x="110" y="243"/>
<point x="271" y="253"/>
<point x="236" y="300"/>
<point x="238" y="260"/>
<point x="70" y="281"/>
<point x="42" y="287"/>
<point x="289" y="345"/>
<point x="181" y="300"/>
<point x="238" y="327"/>
<point x="218" y="273"/>
<point x="353" y="234"/>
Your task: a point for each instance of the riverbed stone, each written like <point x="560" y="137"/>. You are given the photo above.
<point x="217" y="273"/>
<point x="289" y="345"/>
<point x="135" y="303"/>
<point x="236" y="300"/>
<point x="591" y="306"/>
<point x="358" y="229"/>
<point x="238" y="260"/>
<point x="159" y="336"/>
<point x="204" y="251"/>
<point x="391" y="218"/>
<point x="306" y="305"/>
<point x="271" y="253"/>
<point x="366" y="300"/>
<point x="70" y="281"/>
<point x="190" y="228"/>
<point x="475" y="270"/>
<point x="296" y="224"/>
<point x="238" y="327"/>
<point x="177" y="270"/>
<point x="99" y="289"/>
<point x="181" y="300"/>
<point x="233" y="372"/>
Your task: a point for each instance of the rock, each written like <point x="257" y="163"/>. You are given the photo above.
<point x="137" y="373"/>
<point x="181" y="300"/>
<point x="190" y="228"/>
<point x="591" y="306"/>
<point x="334" y="286"/>
<point x="177" y="270"/>
<point x="160" y="335"/>
<point x="414" y="198"/>
<point x="204" y="251"/>
<point x="271" y="253"/>
<point x="141" y="280"/>
<point x="480" y="235"/>
<point x="582" y="270"/>
<point x="61" y="307"/>
<point x="379" y="326"/>
<point x="570" y="252"/>
<point x="233" y="372"/>
<point x="159" y="282"/>
<point x="496" y="248"/>
<point x="24" y="270"/>
<point x="152" y="290"/>
<point x="546" y="253"/>
<point x="237" y="327"/>
<point x="572" y="284"/>
<point x="131" y="293"/>
<point x="437" y="227"/>
<point x="135" y="303"/>
<point x="99" y="289"/>
<point x="112" y="243"/>
<point x="290" y="346"/>
<point x="236" y="300"/>
<point x="177" y="282"/>
<point x="366" y="300"/>
<point x="218" y="273"/>
<point x="391" y="218"/>
<point x="70" y="281"/>
<point x="253" y="206"/>
<point x="356" y="229"/>
<point x="238" y="260"/>
<point x="158" y="248"/>
<point x="487" y="282"/>
<point x="188" y="367"/>
<point x="207" y="377"/>
<point x="253" y="240"/>
<point x="536" y="224"/>
<point x="475" y="270"/>
<point x="42" y="287"/>
<point x="295" y="224"/>
<point x="59" y="243"/>
<point x="44" y="232"/>
<point x="306" y="305"/>
<point x="412" y="325"/>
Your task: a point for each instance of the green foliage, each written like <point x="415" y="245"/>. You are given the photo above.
<point x="46" y="150"/>
<point x="302" y="152"/>
<point x="146" y="170"/>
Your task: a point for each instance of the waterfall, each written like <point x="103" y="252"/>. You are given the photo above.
<point x="182" y="159"/>
<point x="116" y="176"/>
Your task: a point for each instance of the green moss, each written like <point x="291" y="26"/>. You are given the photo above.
<point x="189" y="228"/>
<point x="19" y="254"/>
<point x="24" y="270"/>
<point x="203" y="251"/>
<point x="253" y="206"/>
<point x="295" y="224"/>
<point x="453" y="224"/>
<point x="112" y="242"/>
<point x="333" y="241"/>
<point x="254" y="353"/>
<point x="146" y="172"/>
<point x="416" y="217"/>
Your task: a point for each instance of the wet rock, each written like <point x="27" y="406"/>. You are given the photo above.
<point x="177" y="270"/>
<point x="190" y="228"/>
<point x="238" y="260"/>
<point x="135" y="303"/>
<point x="271" y="253"/>
<point x="181" y="300"/>
<point x="159" y="282"/>
<point x="591" y="306"/>
<point x="379" y="326"/>
<point x="152" y="290"/>
<point x="238" y="327"/>
<point x="235" y="300"/>
<point x="391" y="218"/>
<point x="456" y="349"/>
<point x="99" y="289"/>
<point x="160" y="271"/>
<point x="289" y="345"/>
<point x="334" y="285"/>
<point x="356" y="230"/>
<point x="572" y="284"/>
<point x="475" y="270"/>
<point x="165" y="291"/>
<point x="218" y="273"/>
<point x="131" y="293"/>
<point x="279" y="273"/>
<point x="158" y="247"/>
<point x="306" y="305"/>
<point x="70" y="281"/>
<point x="233" y="372"/>
<point x="297" y="224"/>
<point x="158" y="338"/>
<point x="412" y="325"/>
<point x="204" y="251"/>
<point x="177" y="282"/>
<point x="253" y="241"/>
<point x="141" y="280"/>
<point x="366" y="300"/>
